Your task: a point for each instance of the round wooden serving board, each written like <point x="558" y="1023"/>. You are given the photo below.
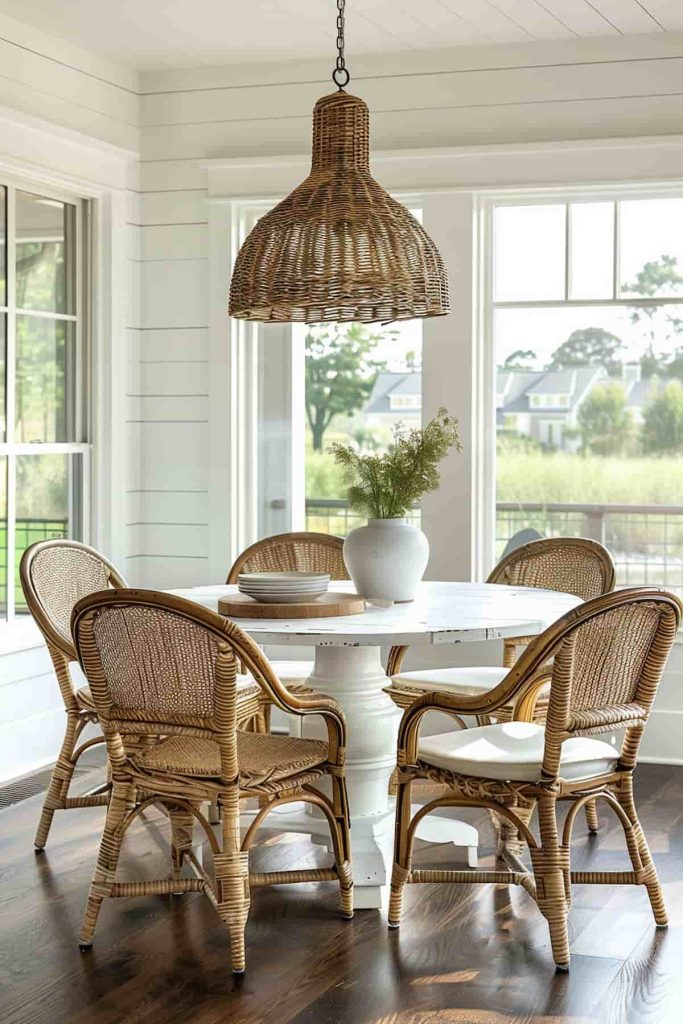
<point x="327" y="605"/>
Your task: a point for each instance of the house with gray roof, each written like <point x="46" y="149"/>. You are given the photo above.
<point x="544" y="404"/>
<point x="396" y="397"/>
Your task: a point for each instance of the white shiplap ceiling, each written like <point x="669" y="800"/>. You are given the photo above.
<point x="150" y="34"/>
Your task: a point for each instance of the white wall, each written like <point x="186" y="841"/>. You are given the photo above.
<point x="70" y="121"/>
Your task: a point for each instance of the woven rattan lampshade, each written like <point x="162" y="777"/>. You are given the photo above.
<point x="339" y="248"/>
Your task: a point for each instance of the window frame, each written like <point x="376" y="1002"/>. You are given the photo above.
<point x="488" y="200"/>
<point x="81" y="265"/>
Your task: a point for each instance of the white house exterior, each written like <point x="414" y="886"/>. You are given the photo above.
<point x="544" y="404"/>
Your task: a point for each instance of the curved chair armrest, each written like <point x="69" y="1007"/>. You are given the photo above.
<point x="253" y="658"/>
<point x="395" y="659"/>
<point x="526" y="701"/>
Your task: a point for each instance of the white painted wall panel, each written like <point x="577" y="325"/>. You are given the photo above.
<point x="172" y="241"/>
<point x="174" y="293"/>
<point x="173" y="456"/>
<point x="173" y="207"/>
<point x="169" y="572"/>
<point x="175" y="378"/>
<point x="171" y="409"/>
<point x="173" y="344"/>
<point x="172" y="506"/>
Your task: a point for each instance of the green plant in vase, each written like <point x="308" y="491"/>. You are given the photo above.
<point x="387" y="558"/>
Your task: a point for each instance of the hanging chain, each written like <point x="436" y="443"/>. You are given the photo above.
<point x="340" y="75"/>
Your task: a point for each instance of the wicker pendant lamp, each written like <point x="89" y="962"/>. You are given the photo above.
<point x="338" y="248"/>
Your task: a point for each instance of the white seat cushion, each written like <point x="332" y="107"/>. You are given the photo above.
<point x="513" y="751"/>
<point x="468" y="680"/>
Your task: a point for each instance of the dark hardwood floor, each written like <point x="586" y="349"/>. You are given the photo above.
<point x="470" y="954"/>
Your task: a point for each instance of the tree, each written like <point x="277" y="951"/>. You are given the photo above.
<point x="658" y="323"/>
<point x="522" y="359"/>
<point x="605" y="424"/>
<point x="663" y="421"/>
<point x="340" y="373"/>
<point x="589" y="346"/>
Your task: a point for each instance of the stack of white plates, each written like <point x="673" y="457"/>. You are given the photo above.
<point x="283" y="587"/>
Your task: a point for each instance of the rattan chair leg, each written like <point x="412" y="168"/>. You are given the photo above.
<point x="592" y="820"/>
<point x="122" y="797"/>
<point x="509" y="837"/>
<point x="231" y="869"/>
<point x="551" y="864"/>
<point x="402" y="852"/>
<point x="232" y="901"/>
<point x="182" y="830"/>
<point x="62" y="774"/>
<point x="341" y="838"/>
<point x="624" y="795"/>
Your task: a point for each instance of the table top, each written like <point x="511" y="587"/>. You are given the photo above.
<point x="442" y="613"/>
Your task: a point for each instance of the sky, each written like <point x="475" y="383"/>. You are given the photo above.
<point x="529" y="265"/>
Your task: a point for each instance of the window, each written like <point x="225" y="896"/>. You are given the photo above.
<point x="43" y="421"/>
<point x="303" y="388"/>
<point x="362" y="383"/>
<point x="586" y="309"/>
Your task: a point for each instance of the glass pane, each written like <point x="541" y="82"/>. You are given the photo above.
<point x="44" y="371"/>
<point x="46" y="503"/>
<point x="589" y="413"/>
<point x="44" y="254"/>
<point x="651" y="247"/>
<point x="363" y="382"/>
<point x="3" y="245"/>
<point x="592" y="250"/>
<point x="529" y="252"/>
<point x="3" y="538"/>
<point x="3" y="377"/>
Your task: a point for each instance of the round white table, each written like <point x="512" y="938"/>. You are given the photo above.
<point x="348" y="667"/>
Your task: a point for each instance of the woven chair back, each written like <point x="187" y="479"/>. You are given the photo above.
<point x="609" y="655"/>
<point x="293" y="552"/>
<point x="159" y="665"/>
<point x="572" y="565"/>
<point x="55" y="574"/>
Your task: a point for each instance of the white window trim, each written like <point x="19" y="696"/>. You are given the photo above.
<point x="25" y="142"/>
<point x="552" y="195"/>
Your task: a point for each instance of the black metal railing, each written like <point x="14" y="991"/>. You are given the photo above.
<point x="646" y="541"/>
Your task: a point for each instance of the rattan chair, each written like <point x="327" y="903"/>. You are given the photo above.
<point x="571" y="565"/>
<point x="165" y="666"/>
<point x="608" y="657"/>
<point x="55" y="574"/>
<point x="292" y="552"/>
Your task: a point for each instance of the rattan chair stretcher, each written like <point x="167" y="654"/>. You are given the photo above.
<point x="165" y="666"/>
<point x="608" y="656"/>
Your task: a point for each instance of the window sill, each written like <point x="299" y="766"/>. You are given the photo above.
<point x="20" y="635"/>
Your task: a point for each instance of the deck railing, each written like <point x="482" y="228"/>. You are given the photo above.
<point x="646" y="541"/>
<point x="26" y="532"/>
<point x="333" y="515"/>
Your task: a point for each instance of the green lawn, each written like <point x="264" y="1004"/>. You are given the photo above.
<point x="563" y="478"/>
<point x="27" y="532"/>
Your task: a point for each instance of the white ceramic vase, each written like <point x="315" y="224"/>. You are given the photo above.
<point x="386" y="559"/>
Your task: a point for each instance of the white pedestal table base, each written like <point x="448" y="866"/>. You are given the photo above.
<point x="355" y="677"/>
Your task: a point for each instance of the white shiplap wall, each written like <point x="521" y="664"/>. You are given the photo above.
<point x="69" y="120"/>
